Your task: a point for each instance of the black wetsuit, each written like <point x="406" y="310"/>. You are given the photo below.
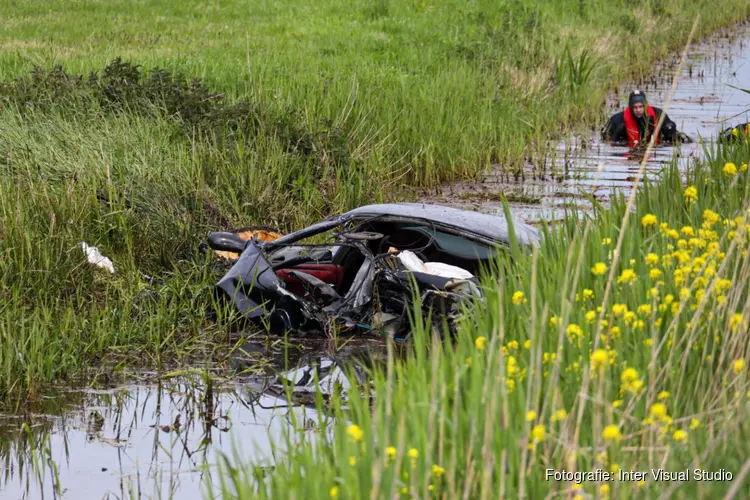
<point x="615" y="131"/>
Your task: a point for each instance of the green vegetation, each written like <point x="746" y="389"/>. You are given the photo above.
<point x="325" y="106"/>
<point x="655" y="379"/>
<point x="401" y="79"/>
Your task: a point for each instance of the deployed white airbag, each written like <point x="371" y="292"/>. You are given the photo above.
<point x="415" y="264"/>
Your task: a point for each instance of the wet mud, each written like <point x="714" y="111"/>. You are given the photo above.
<point x="703" y="105"/>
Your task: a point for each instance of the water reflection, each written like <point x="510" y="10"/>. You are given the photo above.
<point x="703" y="105"/>
<point x="152" y="438"/>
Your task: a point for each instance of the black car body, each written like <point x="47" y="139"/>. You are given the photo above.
<point x="353" y="280"/>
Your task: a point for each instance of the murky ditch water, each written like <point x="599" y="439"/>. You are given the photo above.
<point x="161" y="435"/>
<point x="703" y="105"/>
<point x="154" y="436"/>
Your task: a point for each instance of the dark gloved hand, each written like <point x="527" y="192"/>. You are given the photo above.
<point x="684" y="138"/>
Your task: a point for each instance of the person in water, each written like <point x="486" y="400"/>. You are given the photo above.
<point x="635" y="126"/>
<point x="733" y="134"/>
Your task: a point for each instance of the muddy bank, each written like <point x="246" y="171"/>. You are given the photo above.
<point x="703" y="105"/>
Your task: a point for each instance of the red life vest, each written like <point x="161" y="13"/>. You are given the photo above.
<point x="631" y="126"/>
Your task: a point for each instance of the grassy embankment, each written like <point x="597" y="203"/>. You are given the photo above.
<point x="348" y="100"/>
<point x="583" y="358"/>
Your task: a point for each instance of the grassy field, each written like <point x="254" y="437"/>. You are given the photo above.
<point x="632" y="360"/>
<point x="400" y="79"/>
<point x="327" y="106"/>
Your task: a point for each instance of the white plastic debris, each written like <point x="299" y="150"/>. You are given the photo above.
<point x="94" y="256"/>
<point x="413" y="263"/>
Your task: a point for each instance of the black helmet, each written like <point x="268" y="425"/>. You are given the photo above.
<point x="636" y="96"/>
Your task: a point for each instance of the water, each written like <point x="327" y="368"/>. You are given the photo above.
<point x="160" y="436"/>
<point x="703" y="105"/>
<point x="122" y="441"/>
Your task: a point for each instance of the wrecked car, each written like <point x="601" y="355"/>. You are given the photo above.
<point x="363" y="271"/>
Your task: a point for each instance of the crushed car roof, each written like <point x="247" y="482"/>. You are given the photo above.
<point x="494" y="227"/>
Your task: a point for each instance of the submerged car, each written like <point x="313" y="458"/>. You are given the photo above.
<point x="363" y="270"/>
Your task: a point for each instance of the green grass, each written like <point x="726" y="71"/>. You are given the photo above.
<point x="362" y="99"/>
<point x="463" y="408"/>
<point x="406" y="75"/>
<point x="349" y="100"/>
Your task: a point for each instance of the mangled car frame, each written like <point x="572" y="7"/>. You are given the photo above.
<point x="361" y="271"/>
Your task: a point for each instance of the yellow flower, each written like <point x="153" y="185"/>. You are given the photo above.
<point x="635" y="386"/>
<point x="599" y="358"/>
<point x="606" y="241"/>
<point x="684" y="293"/>
<point x="743" y="167"/>
<point x="538" y="433"/>
<point x="530" y="416"/>
<point x="511" y="368"/>
<point x="627" y="276"/>
<point x="658" y="410"/>
<point x="527" y="344"/>
<point x="680" y="435"/>
<point x="617" y="403"/>
<point x="390" y="452"/>
<point x="729" y="169"/>
<point x="619" y="309"/>
<point x="591" y="316"/>
<point x="649" y="220"/>
<point x="413" y="453"/>
<point x="599" y="269"/>
<point x="437" y="471"/>
<point x="479" y="342"/>
<point x="672" y="233"/>
<point x="355" y="432"/>
<point x="573" y="330"/>
<point x="352" y="461"/>
<point x="722" y="285"/>
<point x="629" y="375"/>
<point x="588" y="293"/>
<point x="711" y="217"/>
<point x="654" y="274"/>
<point x="652" y="259"/>
<point x="694" y="423"/>
<point x="629" y="317"/>
<point x="519" y="298"/>
<point x="735" y="321"/>
<point x="738" y="365"/>
<point x="604" y="490"/>
<point x="404" y="490"/>
<point x="662" y="395"/>
<point x="691" y="194"/>
<point x="688" y="231"/>
<point x="468" y="361"/>
<point x="559" y="415"/>
<point x="554" y="321"/>
<point x="641" y="483"/>
<point x="333" y="493"/>
<point x="644" y="309"/>
<point x="611" y="433"/>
